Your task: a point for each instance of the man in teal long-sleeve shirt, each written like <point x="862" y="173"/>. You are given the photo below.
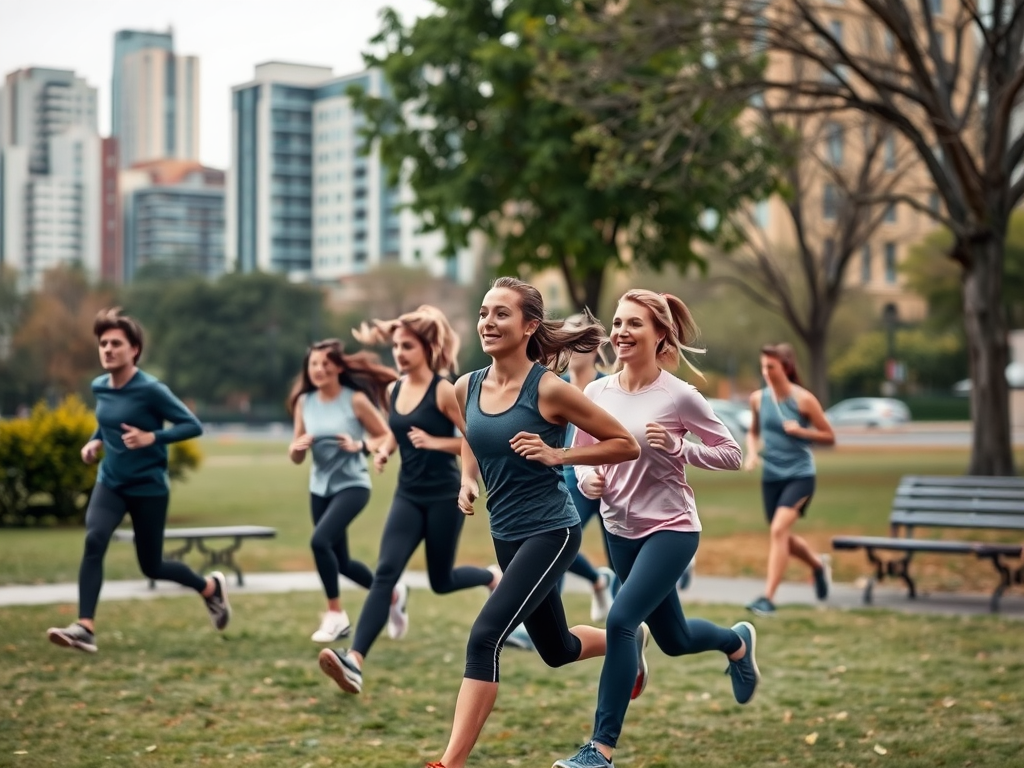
<point x="132" y="409"/>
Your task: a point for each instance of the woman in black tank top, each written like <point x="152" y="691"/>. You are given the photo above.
<point x="423" y="418"/>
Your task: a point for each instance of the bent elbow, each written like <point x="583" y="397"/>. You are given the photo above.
<point x="632" y="450"/>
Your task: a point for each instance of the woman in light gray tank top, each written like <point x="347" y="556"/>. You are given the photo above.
<point x="787" y="420"/>
<point x="516" y="412"/>
<point x="335" y="403"/>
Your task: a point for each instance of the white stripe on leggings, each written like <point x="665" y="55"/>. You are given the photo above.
<point x="511" y="625"/>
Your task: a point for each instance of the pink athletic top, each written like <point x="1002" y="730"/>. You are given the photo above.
<point x="650" y="493"/>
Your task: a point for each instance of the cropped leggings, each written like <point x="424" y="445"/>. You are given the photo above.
<point x="527" y="594"/>
<point x="106" y="510"/>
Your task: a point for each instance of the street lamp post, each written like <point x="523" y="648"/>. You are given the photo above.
<point x="890" y="318"/>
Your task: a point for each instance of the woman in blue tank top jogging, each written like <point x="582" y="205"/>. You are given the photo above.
<point x="423" y="418"/>
<point x="787" y="420"/>
<point x="335" y="404"/>
<point x="516" y="411"/>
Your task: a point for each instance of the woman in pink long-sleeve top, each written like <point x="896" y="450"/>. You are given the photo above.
<point x="649" y="510"/>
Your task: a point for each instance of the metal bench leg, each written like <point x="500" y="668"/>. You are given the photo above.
<point x="901" y="568"/>
<point x="224" y="557"/>
<point x="877" y="576"/>
<point x="1006" y="577"/>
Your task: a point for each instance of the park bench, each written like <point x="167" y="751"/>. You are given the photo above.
<point x="197" y="538"/>
<point x="964" y="503"/>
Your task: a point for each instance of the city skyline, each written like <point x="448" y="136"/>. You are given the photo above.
<point x="314" y="32"/>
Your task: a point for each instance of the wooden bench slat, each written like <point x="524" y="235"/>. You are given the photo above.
<point x="997" y="506"/>
<point x="959" y="520"/>
<point x="960" y="492"/>
<point x="903" y="545"/>
<point x="247" y="531"/>
<point x="962" y="481"/>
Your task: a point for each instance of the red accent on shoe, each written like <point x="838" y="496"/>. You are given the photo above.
<point x="435" y="765"/>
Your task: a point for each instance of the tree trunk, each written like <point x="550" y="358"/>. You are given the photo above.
<point x="988" y="349"/>
<point x="818" y="380"/>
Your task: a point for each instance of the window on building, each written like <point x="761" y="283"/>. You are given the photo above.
<point x="890" y="263"/>
<point x="834" y="138"/>
<point x="890" y="153"/>
<point x="935" y="6"/>
<point x="890" y="213"/>
<point x="761" y="214"/>
<point x="865" y="264"/>
<point x="934" y="202"/>
<point x="830" y="202"/>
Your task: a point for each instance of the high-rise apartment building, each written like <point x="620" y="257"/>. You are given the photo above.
<point x="50" y="169"/>
<point x="155" y="99"/>
<point x="303" y="198"/>
<point x="173" y="212"/>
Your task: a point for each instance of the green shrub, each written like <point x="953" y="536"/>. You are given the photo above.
<point x="42" y="476"/>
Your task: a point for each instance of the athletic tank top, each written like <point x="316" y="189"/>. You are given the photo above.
<point x="425" y="474"/>
<point x="524" y="497"/>
<point x="784" y="456"/>
<point x="333" y="469"/>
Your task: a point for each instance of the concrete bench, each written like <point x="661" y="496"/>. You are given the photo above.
<point x="197" y="538"/>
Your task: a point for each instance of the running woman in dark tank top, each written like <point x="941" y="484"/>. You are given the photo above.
<point x="335" y="402"/>
<point x="787" y="421"/>
<point x="516" y="412"/>
<point x="423" y="418"/>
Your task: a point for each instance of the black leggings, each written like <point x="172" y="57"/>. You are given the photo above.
<point x="106" y="510"/>
<point x="438" y="523"/>
<point x="331" y="518"/>
<point x="527" y="594"/>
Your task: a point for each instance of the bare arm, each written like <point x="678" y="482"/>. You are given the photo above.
<point x="470" y="469"/>
<point x="300" y="440"/>
<point x="372" y="421"/>
<point x="820" y="430"/>
<point x="448" y="404"/>
<point x="561" y="402"/>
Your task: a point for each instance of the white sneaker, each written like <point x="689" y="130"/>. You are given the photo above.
<point x="333" y="626"/>
<point x="601" y="601"/>
<point x="398" y="616"/>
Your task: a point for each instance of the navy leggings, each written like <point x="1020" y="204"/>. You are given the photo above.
<point x="106" y="510"/>
<point x="331" y="518"/>
<point x="438" y="523"/>
<point x="649" y="569"/>
<point x="527" y="594"/>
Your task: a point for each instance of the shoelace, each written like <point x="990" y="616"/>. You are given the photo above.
<point x="589" y="755"/>
<point x="741" y="670"/>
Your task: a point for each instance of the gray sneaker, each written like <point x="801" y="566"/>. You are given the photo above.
<point x="643" y="637"/>
<point x="587" y="757"/>
<point x="340" y="667"/>
<point x="823" y="578"/>
<point x="73" y="636"/>
<point x="744" y="672"/>
<point x="217" y="604"/>
<point x="762" y="607"/>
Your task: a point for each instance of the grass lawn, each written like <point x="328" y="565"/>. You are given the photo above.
<point x="839" y="689"/>
<point x="252" y="482"/>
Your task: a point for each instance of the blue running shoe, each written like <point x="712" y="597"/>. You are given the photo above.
<point x="762" y="607"/>
<point x="823" y="578"/>
<point x="588" y="757"/>
<point x="643" y="636"/>
<point x="744" y="672"/>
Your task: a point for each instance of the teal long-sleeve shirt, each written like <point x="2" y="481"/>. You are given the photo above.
<point x="146" y="403"/>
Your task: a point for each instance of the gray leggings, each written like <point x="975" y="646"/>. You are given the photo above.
<point x="106" y="510"/>
<point x="438" y="524"/>
<point x="649" y="569"/>
<point x="331" y="518"/>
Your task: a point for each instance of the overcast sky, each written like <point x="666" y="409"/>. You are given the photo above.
<point x="229" y="36"/>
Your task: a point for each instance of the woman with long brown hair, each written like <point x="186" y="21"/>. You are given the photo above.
<point x="516" y="412"/>
<point x="788" y="420"/>
<point x="335" y="404"/>
<point x="423" y="418"/>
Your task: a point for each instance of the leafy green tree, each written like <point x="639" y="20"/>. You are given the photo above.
<point x="485" y="147"/>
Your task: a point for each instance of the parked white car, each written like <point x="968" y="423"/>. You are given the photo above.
<point x="737" y="417"/>
<point x="868" y="412"/>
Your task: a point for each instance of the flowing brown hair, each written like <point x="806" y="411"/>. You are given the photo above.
<point x="110" y="318"/>
<point x="428" y="324"/>
<point x="362" y="371"/>
<point x="786" y="356"/>
<point x="552" y="344"/>
<point x="673" y="318"/>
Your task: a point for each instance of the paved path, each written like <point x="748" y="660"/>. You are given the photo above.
<point x="704" y="589"/>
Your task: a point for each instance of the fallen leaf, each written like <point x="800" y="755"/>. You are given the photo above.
<point x="841" y="715"/>
<point x="20" y="752"/>
<point x="811" y="738"/>
<point x="880" y="750"/>
<point x="838" y="670"/>
<point x="787" y="716"/>
<point x="431" y="708"/>
<point x="948" y="702"/>
<point x="151" y="748"/>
